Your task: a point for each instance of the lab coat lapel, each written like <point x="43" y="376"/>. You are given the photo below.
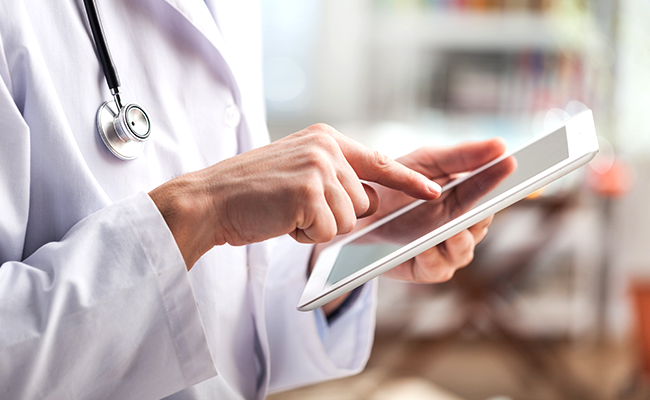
<point x="258" y="261"/>
<point x="198" y="15"/>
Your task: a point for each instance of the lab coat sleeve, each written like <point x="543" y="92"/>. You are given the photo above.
<point x="107" y="312"/>
<point x="300" y="354"/>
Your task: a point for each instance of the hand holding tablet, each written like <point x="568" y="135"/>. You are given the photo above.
<point x="421" y="225"/>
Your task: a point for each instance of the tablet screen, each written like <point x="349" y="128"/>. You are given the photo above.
<point x="467" y="195"/>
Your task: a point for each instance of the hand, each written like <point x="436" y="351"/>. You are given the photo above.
<point x="439" y="263"/>
<point x="306" y="185"/>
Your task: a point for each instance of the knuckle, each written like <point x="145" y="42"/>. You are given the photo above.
<point x="325" y="142"/>
<point x="320" y="127"/>
<point x="319" y="168"/>
<point x="415" y="274"/>
<point x="469" y="256"/>
<point x="317" y="159"/>
<point x="346" y="229"/>
<point x="347" y="225"/>
<point x="301" y="237"/>
<point x="326" y="233"/>
<point x="381" y="161"/>
<point x="448" y="274"/>
<point x="331" y="234"/>
<point x="362" y="205"/>
<point x="311" y="195"/>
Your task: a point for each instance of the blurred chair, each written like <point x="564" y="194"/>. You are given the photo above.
<point x="639" y="385"/>
<point x="488" y="284"/>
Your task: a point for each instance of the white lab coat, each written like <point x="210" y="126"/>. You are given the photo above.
<point x="95" y="300"/>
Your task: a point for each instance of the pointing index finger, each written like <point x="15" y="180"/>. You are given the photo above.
<point x="373" y="166"/>
<point x="463" y="157"/>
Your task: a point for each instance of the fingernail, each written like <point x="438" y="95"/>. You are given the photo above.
<point x="434" y="188"/>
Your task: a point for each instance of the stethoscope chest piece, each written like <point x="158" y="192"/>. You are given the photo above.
<point x="124" y="130"/>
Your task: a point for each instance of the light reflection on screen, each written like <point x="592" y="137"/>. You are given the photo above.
<point x="454" y="202"/>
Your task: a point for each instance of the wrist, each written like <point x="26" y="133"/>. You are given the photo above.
<point x="186" y="208"/>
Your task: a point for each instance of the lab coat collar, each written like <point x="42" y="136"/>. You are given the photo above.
<point x="197" y="13"/>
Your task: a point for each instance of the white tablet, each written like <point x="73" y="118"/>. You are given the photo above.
<point x="409" y="231"/>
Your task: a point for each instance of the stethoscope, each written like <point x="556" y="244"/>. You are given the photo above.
<point x="123" y="128"/>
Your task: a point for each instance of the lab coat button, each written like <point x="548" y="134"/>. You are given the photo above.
<point x="232" y="116"/>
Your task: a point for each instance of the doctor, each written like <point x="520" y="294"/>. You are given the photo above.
<point x="96" y="300"/>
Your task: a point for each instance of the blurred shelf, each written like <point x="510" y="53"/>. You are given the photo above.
<point x="395" y="138"/>
<point x="484" y="31"/>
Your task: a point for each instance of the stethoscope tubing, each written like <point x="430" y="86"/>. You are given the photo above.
<point x="103" y="52"/>
<point x="123" y="128"/>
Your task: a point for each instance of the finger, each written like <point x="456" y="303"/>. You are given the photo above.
<point x="426" y="273"/>
<point x="356" y="191"/>
<point x="479" y="235"/>
<point x="440" y="162"/>
<point x="317" y="226"/>
<point x="479" y="231"/>
<point x="459" y="249"/>
<point x="376" y="167"/>
<point x="482" y="225"/>
<point x="405" y="271"/>
<point x="478" y="185"/>
<point x="439" y="263"/>
<point x="430" y="266"/>
<point x="342" y="208"/>
<point x="373" y="198"/>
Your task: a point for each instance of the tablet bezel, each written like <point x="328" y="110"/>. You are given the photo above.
<point x="582" y="147"/>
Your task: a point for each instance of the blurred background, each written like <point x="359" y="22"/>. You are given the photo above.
<point x="555" y="304"/>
